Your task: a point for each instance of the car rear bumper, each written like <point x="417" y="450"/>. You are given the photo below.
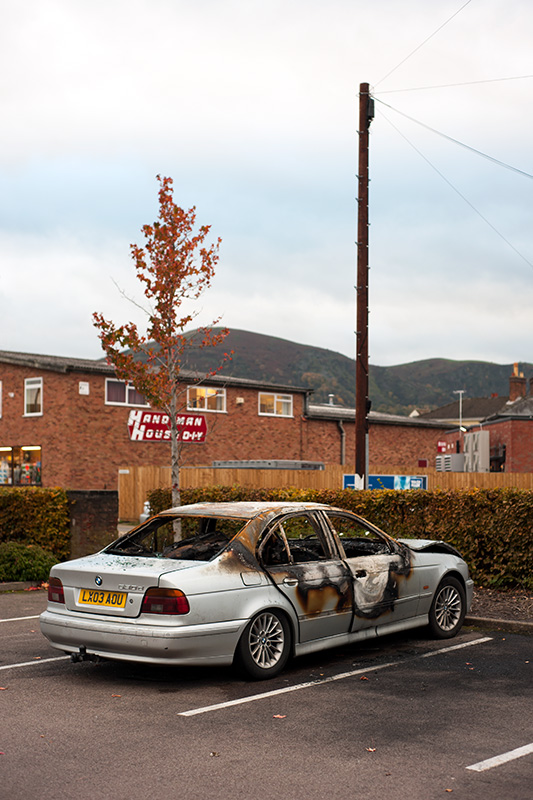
<point x="212" y="643"/>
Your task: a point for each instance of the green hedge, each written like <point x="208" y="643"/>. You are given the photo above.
<point x="36" y="516"/>
<point x="25" y="562"/>
<point x="492" y="528"/>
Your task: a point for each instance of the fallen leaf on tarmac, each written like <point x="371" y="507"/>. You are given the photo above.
<point x="279" y="716"/>
<point x="214" y="754"/>
<point x="116" y="695"/>
<point x="364" y="678"/>
<point x="370" y="749"/>
<point x="3" y="688"/>
<point x="449" y="790"/>
<point x="37" y="658"/>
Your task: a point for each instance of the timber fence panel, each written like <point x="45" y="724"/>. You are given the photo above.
<point x="135" y="482"/>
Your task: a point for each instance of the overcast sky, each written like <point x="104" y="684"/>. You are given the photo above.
<point x="251" y="106"/>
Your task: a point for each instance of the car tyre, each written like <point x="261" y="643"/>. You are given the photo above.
<point x="265" y="646"/>
<point x="448" y="609"/>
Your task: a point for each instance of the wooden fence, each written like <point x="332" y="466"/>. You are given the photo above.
<point x="135" y="482"/>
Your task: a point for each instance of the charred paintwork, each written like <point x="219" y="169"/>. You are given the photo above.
<point x="319" y="588"/>
<point x="376" y="592"/>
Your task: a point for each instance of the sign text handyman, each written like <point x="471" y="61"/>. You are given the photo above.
<point x="152" y="426"/>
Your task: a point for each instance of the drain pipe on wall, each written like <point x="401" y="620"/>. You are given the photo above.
<point x="343" y="440"/>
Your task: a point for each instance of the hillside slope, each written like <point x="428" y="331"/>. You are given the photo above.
<point x="398" y="389"/>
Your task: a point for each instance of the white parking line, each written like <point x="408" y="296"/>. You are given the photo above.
<point x="497" y="761"/>
<point x="35" y="662"/>
<point x="319" y="681"/>
<point x="16" y="619"/>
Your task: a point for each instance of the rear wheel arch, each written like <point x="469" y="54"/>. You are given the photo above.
<point x="261" y="657"/>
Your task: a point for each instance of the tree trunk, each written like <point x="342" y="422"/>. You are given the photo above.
<point x="175" y="453"/>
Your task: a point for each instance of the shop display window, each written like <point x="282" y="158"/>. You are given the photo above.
<point x="20" y="466"/>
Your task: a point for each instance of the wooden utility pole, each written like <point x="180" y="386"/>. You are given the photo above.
<point x="366" y="114"/>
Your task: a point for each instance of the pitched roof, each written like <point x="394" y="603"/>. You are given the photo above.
<point x="518" y="409"/>
<point x="67" y="364"/>
<point x="472" y="408"/>
<point x="343" y="414"/>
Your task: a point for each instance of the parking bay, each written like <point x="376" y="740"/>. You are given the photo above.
<point x="403" y="716"/>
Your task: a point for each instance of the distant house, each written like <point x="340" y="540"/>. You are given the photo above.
<point x="470" y="411"/>
<point x="508" y="421"/>
<point x="64" y="422"/>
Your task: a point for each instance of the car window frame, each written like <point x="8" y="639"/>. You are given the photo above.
<point x="392" y="544"/>
<point x="328" y="544"/>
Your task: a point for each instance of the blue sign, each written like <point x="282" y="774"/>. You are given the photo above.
<point x="397" y="482"/>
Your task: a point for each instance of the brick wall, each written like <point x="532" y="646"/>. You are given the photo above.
<point x="93" y="521"/>
<point x="515" y="434"/>
<point x="84" y="441"/>
<point x="399" y="447"/>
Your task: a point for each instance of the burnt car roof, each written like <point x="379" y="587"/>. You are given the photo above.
<point x="240" y="510"/>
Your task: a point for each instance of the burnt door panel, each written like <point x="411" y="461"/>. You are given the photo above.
<point x="297" y="557"/>
<point x="385" y="587"/>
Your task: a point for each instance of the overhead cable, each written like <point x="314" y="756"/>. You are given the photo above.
<point x="461" y="195"/>
<point x="453" y="85"/>
<point x="456" y="141"/>
<point x="423" y="43"/>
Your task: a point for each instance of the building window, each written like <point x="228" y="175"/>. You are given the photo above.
<point x="121" y="393"/>
<point x="20" y="466"/>
<point x="276" y="405"/>
<point x="206" y="398"/>
<point x="33" y="397"/>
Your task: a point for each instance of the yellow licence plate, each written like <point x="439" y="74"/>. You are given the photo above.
<point x="97" y="597"/>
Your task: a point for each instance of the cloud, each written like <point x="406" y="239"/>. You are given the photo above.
<point x="252" y="108"/>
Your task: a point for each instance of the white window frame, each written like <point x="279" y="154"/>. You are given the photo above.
<point x="209" y="391"/>
<point x="278" y="398"/>
<point x="128" y="385"/>
<point x="33" y="383"/>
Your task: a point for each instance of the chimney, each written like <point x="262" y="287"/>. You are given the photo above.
<point x="517" y="385"/>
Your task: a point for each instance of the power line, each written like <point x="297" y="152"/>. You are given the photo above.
<point x="456" y="141"/>
<point x="461" y="195"/>
<point x="453" y="85"/>
<point x="423" y="43"/>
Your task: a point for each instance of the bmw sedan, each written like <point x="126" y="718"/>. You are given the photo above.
<point x="251" y="584"/>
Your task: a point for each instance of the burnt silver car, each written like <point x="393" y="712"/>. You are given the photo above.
<point x="251" y="584"/>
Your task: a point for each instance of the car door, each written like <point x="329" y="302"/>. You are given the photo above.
<point x="385" y="586"/>
<point x="300" y="557"/>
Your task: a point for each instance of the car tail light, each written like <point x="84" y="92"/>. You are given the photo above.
<point x="164" y="601"/>
<point x="55" y="591"/>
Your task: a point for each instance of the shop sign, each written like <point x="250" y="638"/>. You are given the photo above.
<point x="397" y="482"/>
<point x="151" y="426"/>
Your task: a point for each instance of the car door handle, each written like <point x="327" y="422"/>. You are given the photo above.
<point x="290" y="581"/>
<point x="360" y="573"/>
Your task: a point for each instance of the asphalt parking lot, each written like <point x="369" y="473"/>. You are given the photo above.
<point x="401" y="717"/>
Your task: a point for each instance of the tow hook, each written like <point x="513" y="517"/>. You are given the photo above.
<point x="77" y="657"/>
<point x="83" y="655"/>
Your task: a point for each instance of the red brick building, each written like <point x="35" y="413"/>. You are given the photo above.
<point x="509" y="425"/>
<point x="64" y="422"/>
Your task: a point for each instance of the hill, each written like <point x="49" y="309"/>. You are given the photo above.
<point x="398" y="389"/>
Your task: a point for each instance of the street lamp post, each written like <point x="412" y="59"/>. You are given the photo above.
<point x="460" y="392"/>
